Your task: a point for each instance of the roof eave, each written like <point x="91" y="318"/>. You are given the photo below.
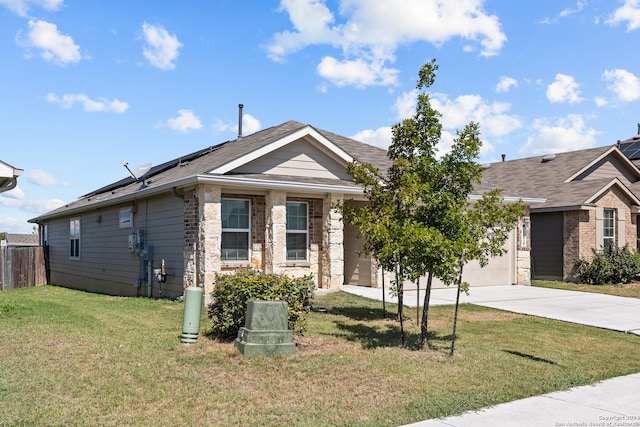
<point x="227" y="181"/>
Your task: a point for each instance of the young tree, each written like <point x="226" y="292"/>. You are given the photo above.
<point x="417" y="220"/>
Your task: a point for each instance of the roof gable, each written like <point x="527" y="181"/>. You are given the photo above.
<point x="307" y="133"/>
<point x="611" y="164"/>
<point x="300" y="158"/>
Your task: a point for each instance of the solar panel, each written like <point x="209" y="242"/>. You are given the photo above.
<point x="631" y="149"/>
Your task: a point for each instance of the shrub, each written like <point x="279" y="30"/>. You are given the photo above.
<point x="231" y="292"/>
<point x="611" y="265"/>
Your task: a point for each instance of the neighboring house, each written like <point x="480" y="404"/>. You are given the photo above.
<point x="590" y="202"/>
<point x="264" y="201"/>
<point x="8" y="177"/>
<point x="20" y="240"/>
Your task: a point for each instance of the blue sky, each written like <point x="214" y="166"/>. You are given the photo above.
<point x="87" y="85"/>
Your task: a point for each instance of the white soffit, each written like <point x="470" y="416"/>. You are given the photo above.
<point x="331" y="148"/>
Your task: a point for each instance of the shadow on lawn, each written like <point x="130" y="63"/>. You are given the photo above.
<point x="372" y="330"/>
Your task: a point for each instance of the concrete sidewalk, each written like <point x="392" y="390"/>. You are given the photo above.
<point x="599" y="310"/>
<point x="614" y="402"/>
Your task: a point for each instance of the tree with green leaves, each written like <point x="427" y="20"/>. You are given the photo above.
<point x="419" y="220"/>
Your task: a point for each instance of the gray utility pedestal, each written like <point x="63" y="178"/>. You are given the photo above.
<point x="265" y="332"/>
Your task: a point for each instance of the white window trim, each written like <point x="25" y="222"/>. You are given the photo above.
<point x="237" y="230"/>
<point x="127" y="222"/>
<point x="613" y="227"/>
<point x="76" y="235"/>
<point x="305" y="232"/>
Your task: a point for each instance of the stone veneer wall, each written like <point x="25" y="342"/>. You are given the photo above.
<point x="191" y="209"/>
<point x="523" y="251"/>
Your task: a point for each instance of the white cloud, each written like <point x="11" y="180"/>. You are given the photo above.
<point x="564" y="89"/>
<point x="405" y="105"/>
<point x="44" y="179"/>
<point x="568" y="11"/>
<point x="358" y="72"/>
<point x="250" y="124"/>
<point x="54" y="46"/>
<point x="161" y="49"/>
<point x="21" y="7"/>
<point x="600" y="101"/>
<point x="16" y="193"/>
<point x="31" y="205"/>
<point x="625" y="85"/>
<point x="505" y="84"/>
<point x="492" y="117"/>
<point x="369" y="33"/>
<point x="629" y="12"/>
<point x="89" y="105"/>
<point x="566" y="134"/>
<point x="185" y="121"/>
<point x="380" y="137"/>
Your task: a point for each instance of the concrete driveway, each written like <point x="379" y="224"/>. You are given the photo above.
<point x="602" y="311"/>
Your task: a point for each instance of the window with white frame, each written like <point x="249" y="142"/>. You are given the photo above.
<point x="126" y="217"/>
<point x="74" y="238"/>
<point x="297" y="231"/>
<point x="609" y="227"/>
<point x="235" y="229"/>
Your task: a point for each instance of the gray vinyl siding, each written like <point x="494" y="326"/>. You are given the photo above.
<point x="609" y="167"/>
<point x="105" y="263"/>
<point x="546" y="245"/>
<point x="300" y="158"/>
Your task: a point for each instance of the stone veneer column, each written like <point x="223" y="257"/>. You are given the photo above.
<point x="210" y="235"/>
<point x="333" y="244"/>
<point x="275" y="231"/>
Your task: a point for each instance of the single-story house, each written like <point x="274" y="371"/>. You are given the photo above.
<point x="19" y="240"/>
<point x="263" y="201"/>
<point x="8" y="176"/>
<point x="590" y="202"/>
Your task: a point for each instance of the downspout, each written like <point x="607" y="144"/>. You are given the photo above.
<point x="149" y="251"/>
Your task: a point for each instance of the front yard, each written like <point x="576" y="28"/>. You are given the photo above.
<point x="74" y="358"/>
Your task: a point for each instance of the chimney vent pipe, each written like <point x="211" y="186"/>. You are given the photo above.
<point x="240" y="106"/>
<point x="504" y="156"/>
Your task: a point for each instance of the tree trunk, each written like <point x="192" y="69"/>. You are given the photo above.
<point x="399" y="289"/>
<point x="424" y="325"/>
<point x="384" y="301"/>
<point x="455" y="316"/>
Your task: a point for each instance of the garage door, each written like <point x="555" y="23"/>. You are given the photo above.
<point x="499" y="271"/>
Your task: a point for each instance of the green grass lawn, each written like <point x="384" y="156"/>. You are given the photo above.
<point x="74" y="358"/>
<point x="631" y="290"/>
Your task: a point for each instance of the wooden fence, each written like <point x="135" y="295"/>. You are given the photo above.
<point x="21" y="267"/>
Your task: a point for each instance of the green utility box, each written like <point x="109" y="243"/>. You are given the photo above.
<point x="192" y="310"/>
<point x="265" y="332"/>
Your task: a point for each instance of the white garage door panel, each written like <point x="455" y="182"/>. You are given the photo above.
<point x="499" y="271"/>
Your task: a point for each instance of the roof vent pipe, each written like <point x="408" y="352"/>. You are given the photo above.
<point x="504" y="156"/>
<point x="638" y="128"/>
<point x="240" y="106"/>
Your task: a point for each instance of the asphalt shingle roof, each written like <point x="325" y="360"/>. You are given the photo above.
<point x="546" y="179"/>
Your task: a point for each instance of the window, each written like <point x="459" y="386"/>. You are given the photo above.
<point x="74" y="238"/>
<point x="126" y="218"/>
<point x="609" y="227"/>
<point x="297" y="231"/>
<point x="235" y="229"/>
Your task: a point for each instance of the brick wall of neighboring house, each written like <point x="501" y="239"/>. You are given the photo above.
<point x="618" y="200"/>
<point x="579" y="231"/>
<point x="523" y="257"/>
<point x="579" y="236"/>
